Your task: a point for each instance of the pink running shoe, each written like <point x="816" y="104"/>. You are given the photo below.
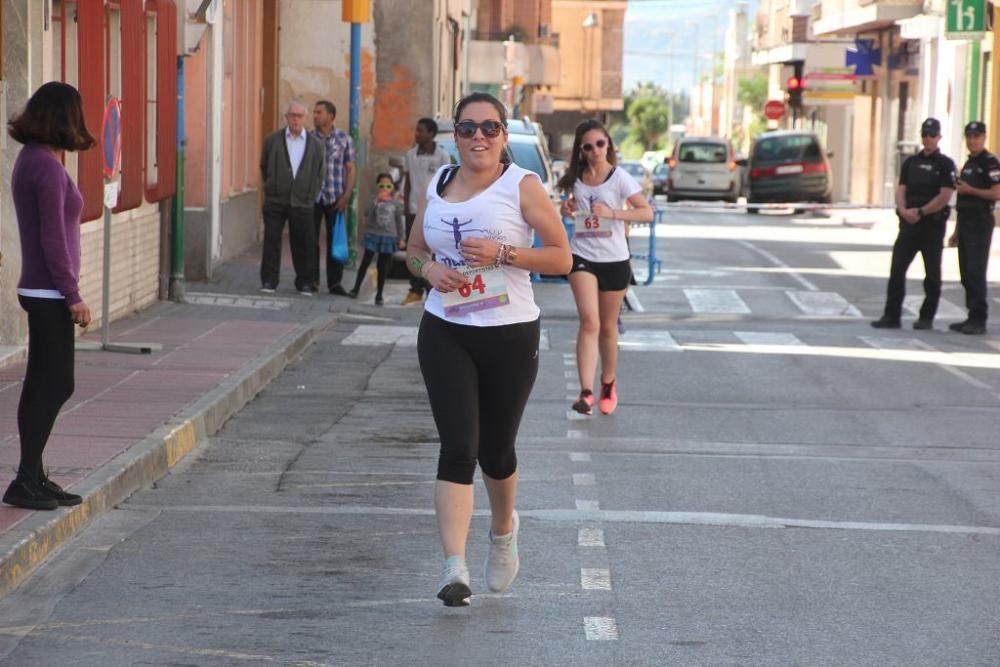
<point x="609" y="398"/>
<point x="585" y="404"/>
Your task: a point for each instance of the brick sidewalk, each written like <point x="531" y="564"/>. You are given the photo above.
<point x="132" y="417"/>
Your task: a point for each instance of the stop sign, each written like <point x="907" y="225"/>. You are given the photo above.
<point x="774" y="109"/>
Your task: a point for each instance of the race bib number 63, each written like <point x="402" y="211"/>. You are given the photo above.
<point x="589" y="225"/>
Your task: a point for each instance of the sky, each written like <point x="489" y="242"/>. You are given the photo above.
<point x="651" y="25"/>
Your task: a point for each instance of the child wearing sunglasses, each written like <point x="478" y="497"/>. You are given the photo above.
<point x="602" y="200"/>
<point x="382" y="233"/>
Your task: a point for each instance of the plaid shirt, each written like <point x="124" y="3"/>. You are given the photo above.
<point x="339" y="151"/>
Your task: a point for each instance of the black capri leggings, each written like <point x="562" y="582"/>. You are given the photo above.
<point x="478" y="380"/>
<point x="48" y="380"/>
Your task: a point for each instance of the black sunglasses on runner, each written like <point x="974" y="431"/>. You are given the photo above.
<point x="600" y="143"/>
<point x="490" y="128"/>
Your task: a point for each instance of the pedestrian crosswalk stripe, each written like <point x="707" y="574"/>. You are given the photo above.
<point x="767" y="338"/>
<point x="822" y="303"/>
<point x="645" y="340"/>
<point x="946" y="309"/>
<point x="723" y="301"/>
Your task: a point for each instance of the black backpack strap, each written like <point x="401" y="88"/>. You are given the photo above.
<point x="446" y="178"/>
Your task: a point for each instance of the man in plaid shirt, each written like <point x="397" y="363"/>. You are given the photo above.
<point x="338" y="182"/>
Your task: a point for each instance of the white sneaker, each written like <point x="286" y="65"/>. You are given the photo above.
<point x="454" y="590"/>
<point x="502" y="562"/>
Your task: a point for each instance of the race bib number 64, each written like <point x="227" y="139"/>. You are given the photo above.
<point x="487" y="288"/>
<point x="589" y="225"/>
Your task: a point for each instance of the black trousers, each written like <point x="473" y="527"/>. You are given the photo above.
<point x="301" y="239"/>
<point x="927" y="238"/>
<point x="478" y="381"/>
<point x="975" y="233"/>
<point x="334" y="269"/>
<point x="381" y="266"/>
<point x="48" y="380"/>
<point x="417" y="285"/>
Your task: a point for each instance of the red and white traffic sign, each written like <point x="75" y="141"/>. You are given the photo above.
<point x="111" y="139"/>
<point x="774" y="109"/>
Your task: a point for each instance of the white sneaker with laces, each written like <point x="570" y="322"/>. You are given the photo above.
<point x="502" y="562"/>
<point x="454" y="590"/>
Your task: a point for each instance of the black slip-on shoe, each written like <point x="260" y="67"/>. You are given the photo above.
<point x="974" y="328"/>
<point x="339" y="290"/>
<point x="957" y="326"/>
<point x="885" y="323"/>
<point x="29" y="495"/>
<point x="922" y="325"/>
<point x="61" y="496"/>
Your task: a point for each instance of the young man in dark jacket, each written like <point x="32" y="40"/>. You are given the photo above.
<point x="291" y="168"/>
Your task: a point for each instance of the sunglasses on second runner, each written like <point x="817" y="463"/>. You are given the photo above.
<point x="600" y="143"/>
<point x="490" y="128"/>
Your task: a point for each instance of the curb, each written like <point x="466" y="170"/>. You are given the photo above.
<point x="146" y="461"/>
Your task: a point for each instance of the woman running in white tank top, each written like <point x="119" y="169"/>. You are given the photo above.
<point x="602" y="201"/>
<point x="478" y="340"/>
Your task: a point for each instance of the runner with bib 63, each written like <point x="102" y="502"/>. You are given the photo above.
<point x="598" y="194"/>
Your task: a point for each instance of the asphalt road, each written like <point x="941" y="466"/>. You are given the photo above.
<point x="781" y="485"/>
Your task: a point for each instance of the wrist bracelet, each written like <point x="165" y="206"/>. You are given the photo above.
<point x="425" y="267"/>
<point x="501" y="257"/>
<point x="510" y="256"/>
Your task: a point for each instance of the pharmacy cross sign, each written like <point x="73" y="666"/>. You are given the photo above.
<point x="863" y="57"/>
<point x="966" y="19"/>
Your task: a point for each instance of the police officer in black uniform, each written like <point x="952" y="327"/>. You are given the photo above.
<point x="926" y="183"/>
<point x="978" y="187"/>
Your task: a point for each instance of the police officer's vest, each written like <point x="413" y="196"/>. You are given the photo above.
<point x="924" y="176"/>
<point x="981" y="171"/>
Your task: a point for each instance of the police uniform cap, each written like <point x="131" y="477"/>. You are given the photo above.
<point x="931" y="126"/>
<point x="976" y="127"/>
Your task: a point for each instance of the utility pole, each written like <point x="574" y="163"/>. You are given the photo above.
<point x="355" y="12"/>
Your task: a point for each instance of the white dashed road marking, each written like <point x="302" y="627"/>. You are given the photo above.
<point x="590" y="537"/>
<point x="584" y="479"/>
<point x="595" y="579"/>
<point x="600" y="628"/>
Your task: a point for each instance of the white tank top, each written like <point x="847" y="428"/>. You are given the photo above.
<point x="494" y="213"/>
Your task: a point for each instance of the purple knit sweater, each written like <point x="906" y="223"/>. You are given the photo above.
<point x="48" y="206"/>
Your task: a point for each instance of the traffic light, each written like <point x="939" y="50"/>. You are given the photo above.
<point x="794" y="86"/>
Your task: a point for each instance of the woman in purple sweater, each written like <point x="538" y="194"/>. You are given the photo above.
<point x="48" y="206"/>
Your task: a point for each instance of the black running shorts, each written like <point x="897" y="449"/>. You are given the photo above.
<point x="611" y="276"/>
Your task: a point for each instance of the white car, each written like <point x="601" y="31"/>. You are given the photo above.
<point x="704" y="168"/>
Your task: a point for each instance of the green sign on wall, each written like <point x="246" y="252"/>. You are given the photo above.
<point x="966" y="19"/>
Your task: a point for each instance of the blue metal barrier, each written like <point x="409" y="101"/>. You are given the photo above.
<point x="655" y="263"/>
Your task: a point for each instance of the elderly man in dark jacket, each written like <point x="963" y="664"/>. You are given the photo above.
<point x="291" y="168"/>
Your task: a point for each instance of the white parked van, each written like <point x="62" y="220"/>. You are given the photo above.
<point x="704" y="168"/>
